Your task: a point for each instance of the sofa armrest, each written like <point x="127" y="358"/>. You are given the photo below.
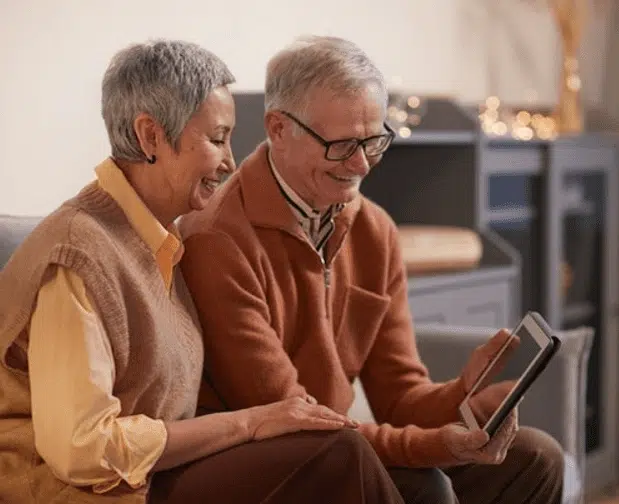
<point x="13" y="230"/>
<point x="556" y="402"/>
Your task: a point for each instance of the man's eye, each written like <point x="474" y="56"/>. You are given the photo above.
<point x="218" y="142"/>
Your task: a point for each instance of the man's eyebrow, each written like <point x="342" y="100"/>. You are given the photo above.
<point x="224" y="128"/>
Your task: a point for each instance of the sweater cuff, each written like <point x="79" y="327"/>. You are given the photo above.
<point x="408" y="446"/>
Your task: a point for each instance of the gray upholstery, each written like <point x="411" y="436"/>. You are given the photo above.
<point x="556" y="403"/>
<point x="556" y="399"/>
<point x="12" y="232"/>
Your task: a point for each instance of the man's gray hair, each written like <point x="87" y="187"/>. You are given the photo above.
<point x="319" y="62"/>
<point x="167" y="79"/>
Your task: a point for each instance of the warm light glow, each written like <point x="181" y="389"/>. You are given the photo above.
<point x="413" y="101"/>
<point x="523" y="117"/>
<point x="498" y="120"/>
<point x="392" y="111"/>
<point x="571" y="65"/>
<point x="547" y="128"/>
<point x="499" y="128"/>
<point x="404" y="132"/>
<point x="414" y="119"/>
<point x="550" y="123"/>
<point x="487" y="127"/>
<point x="544" y="134"/>
<point x="401" y="116"/>
<point x="523" y="133"/>
<point x="536" y="120"/>
<point x="574" y="83"/>
<point x="492" y="115"/>
<point x="492" y="102"/>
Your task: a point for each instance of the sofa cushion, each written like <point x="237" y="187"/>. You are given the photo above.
<point x="13" y="230"/>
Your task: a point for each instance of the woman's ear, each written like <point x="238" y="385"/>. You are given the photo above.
<point x="275" y="127"/>
<point x="148" y="133"/>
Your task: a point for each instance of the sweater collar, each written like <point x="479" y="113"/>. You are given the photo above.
<point x="165" y="244"/>
<point x="265" y="204"/>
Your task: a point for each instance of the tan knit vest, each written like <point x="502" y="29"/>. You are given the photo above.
<point x="154" y="335"/>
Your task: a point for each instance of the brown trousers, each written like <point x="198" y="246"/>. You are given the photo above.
<point x="303" y="468"/>
<point x="341" y="467"/>
<point x="532" y="473"/>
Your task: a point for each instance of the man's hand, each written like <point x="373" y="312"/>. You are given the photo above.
<point x="483" y="355"/>
<point x="485" y="403"/>
<point x="475" y="447"/>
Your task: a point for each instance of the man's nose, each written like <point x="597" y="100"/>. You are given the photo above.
<point x="358" y="163"/>
<point x="228" y="161"/>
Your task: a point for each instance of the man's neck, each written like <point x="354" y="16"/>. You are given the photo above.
<point x="276" y="163"/>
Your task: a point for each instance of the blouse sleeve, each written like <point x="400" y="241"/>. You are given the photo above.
<point x="77" y="427"/>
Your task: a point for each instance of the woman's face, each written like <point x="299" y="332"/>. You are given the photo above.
<point x="203" y="155"/>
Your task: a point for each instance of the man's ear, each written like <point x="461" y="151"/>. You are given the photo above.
<point x="149" y="134"/>
<point x="275" y="127"/>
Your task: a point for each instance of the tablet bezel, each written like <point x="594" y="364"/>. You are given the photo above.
<point x="541" y="333"/>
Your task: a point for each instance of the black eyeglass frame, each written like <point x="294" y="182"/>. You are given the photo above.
<point x="360" y="142"/>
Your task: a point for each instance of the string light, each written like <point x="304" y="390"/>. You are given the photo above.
<point x="404" y="132"/>
<point x="497" y="121"/>
<point x="405" y="110"/>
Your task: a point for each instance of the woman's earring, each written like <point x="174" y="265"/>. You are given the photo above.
<point x="151" y="160"/>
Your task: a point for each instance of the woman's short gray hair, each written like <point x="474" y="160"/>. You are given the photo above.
<point x="314" y="62"/>
<point x="167" y="79"/>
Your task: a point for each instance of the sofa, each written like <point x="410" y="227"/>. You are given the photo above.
<point x="556" y="403"/>
<point x="13" y="230"/>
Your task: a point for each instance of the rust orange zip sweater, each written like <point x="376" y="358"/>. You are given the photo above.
<point x="279" y="322"/>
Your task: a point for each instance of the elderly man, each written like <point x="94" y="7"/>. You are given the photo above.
<point x="300" y="288"/>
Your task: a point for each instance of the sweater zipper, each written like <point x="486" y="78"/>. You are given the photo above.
<point x="327" y="274"/>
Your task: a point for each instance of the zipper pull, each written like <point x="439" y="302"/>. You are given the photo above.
<point x="327" y="277"/>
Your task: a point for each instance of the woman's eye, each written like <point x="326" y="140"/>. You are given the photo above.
<point x="217" y="142"/>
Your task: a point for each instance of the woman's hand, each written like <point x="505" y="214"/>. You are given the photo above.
<point x="201" y="436"/>
<point x="292" y="415"/>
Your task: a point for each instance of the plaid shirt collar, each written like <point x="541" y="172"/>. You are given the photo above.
<point x="317" y="226"/>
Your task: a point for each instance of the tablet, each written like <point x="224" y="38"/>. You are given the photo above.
<point x="520" y="361"/>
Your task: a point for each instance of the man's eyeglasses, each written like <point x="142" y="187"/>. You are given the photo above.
<point x="340" y="150"/>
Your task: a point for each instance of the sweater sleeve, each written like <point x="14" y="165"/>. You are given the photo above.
<point x="396" y="382"/>
<point x="238" y="335"/>
<point x="77" y="426"/>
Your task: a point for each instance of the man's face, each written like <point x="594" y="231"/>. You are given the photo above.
<point x="321" y="182"/>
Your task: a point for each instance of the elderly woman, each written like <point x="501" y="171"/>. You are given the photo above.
<point x="100" y="346"/>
